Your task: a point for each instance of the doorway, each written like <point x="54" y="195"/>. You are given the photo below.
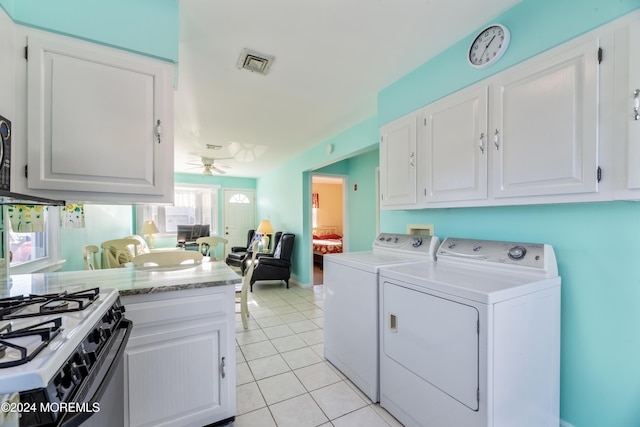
<point x="239" y="215"/>
<point x="328" y="219"/>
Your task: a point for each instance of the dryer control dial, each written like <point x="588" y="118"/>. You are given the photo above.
<point x="517" y="252"/>
<point x="416" y="242"/>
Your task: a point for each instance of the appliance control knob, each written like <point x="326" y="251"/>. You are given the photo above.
<point x="451" y="245"/>
<point x="416" y="242"/>
<point x="381" y="238"/>
<point x="517" y="252"/>
<point x="95" y="336"/>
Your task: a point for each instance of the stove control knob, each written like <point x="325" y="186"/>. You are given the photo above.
<point x="95" y="336"/>
<point x="416" y="242"/>
<point x="517" y="252"/>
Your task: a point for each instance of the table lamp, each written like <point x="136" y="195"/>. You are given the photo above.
<point x="149" y="228"/>
<point x="265" y="228"/>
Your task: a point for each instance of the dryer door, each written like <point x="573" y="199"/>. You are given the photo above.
<point x="435" y="338"/>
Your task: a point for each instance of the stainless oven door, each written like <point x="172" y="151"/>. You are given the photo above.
<point x="104" y="399"/>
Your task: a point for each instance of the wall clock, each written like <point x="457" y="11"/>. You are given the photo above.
<point x="488" y="46"/>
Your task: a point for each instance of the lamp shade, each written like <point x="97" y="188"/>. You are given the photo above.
<point x="265" y="227"/>
<point x="149" y="227"/>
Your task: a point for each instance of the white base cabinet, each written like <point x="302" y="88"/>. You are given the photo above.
<point x="180" y="359"/>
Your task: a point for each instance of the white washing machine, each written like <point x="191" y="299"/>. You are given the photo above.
<point x="473" y="339"/>
<point x="351" y="319"/>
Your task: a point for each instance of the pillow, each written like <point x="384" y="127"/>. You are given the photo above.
<point x="332" y="236"/>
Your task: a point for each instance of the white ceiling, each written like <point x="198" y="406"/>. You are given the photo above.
<point x="332" y="57"/>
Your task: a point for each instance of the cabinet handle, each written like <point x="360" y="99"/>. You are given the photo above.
<point x="412" y="159"/>
<point x="636" y="104"/>
<point x="496" y="139"/>
<point x="222" y="366"/>
<point x="158" y="131"/>
<point x="481" y="143"/>
<point x="393" y="322"/>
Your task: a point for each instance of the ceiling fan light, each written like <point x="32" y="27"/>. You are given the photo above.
<point x="207" y="172"/>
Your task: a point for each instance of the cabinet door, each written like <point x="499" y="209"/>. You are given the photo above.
<point x="174" y="378"/>
<point x="92" y="116"/>
<point x="544" y="133"/>
<point x="453" y="147"/>
<point x="633" y="120"/>
<point x="398" y="162"/>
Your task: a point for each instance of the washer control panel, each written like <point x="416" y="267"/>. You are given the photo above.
<point x="530" y="255"/>
<point x="405" y="243"/>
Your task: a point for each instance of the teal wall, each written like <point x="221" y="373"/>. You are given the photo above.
<point x="284" y="192"/>
<point x="361" y="202"/>
<point x="596" y="244"/>
<point x="102" y="222"/>
<point x="149" y="27"/>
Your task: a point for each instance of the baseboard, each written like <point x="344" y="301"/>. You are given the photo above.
<point x="300" y="285"/>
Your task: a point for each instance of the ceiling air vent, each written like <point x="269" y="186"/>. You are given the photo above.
<point x="254" y="61"/>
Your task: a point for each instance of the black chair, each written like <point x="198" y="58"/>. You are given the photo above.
<point x="277" y="266"/>
<point x="238" y="254"/>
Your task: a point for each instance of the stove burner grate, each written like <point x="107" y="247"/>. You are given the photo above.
<point x="15" y="307"/>
<point x="46" y="333"/>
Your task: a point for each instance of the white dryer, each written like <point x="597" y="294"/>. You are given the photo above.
<point x="473" y="339"/>
<point x="351" y="319"/>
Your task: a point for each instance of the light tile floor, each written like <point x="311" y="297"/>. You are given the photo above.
<point x="282" y="376"/>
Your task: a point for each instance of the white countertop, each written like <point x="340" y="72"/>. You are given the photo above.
<point x="128" y="280"/>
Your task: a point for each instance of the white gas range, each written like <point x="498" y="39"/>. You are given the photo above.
<point x="59" y="354"/>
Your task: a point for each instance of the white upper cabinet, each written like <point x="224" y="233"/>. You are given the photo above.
<point x="92" y="115"/>
<point x="545" y="125"/>
<point x="398" y="159"/>
<point x="633" y="107"/>
<point x="627" y="110"/>
<point x="453" y="147"/>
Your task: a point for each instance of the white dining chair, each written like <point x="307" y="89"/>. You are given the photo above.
<point x="117" y="252"/>
<point x="242" y="290"/>
<point x="168" y="258"/>
<point x="90" y="257"/>
<point x="208" y="246"/>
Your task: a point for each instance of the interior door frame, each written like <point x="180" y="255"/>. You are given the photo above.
<point x="345" y="209"/>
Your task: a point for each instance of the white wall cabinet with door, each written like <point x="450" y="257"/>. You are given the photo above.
<point x="180" y="359"/>
<point x="544" y="133"/>
<point x="99" y="122"/>
<point x="398" y="163"/>
<point x="528" y="135"/>
<point x="453" y="147"/>
<point x="626" y="117"/>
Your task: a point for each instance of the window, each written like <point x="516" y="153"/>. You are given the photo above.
<point x="192" y="205"/>
<point x="34" y="251"/>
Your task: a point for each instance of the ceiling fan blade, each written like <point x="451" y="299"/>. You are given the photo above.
<point x="217" y="169"/>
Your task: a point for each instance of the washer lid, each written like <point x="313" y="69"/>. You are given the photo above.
<point x="483" y="286"/>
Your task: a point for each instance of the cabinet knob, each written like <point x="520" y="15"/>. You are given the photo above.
<point x="636" y="104"/>
<point x="481" y="143"/>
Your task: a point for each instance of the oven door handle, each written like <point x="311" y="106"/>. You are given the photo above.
<point x="76" y="419"/>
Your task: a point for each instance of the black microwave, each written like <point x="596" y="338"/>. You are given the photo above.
<point x="5" y="154"/>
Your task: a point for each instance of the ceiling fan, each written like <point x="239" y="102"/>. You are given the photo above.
<point x="209" y="166"/>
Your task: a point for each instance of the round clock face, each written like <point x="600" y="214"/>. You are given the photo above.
<point x="488" y="46"/>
